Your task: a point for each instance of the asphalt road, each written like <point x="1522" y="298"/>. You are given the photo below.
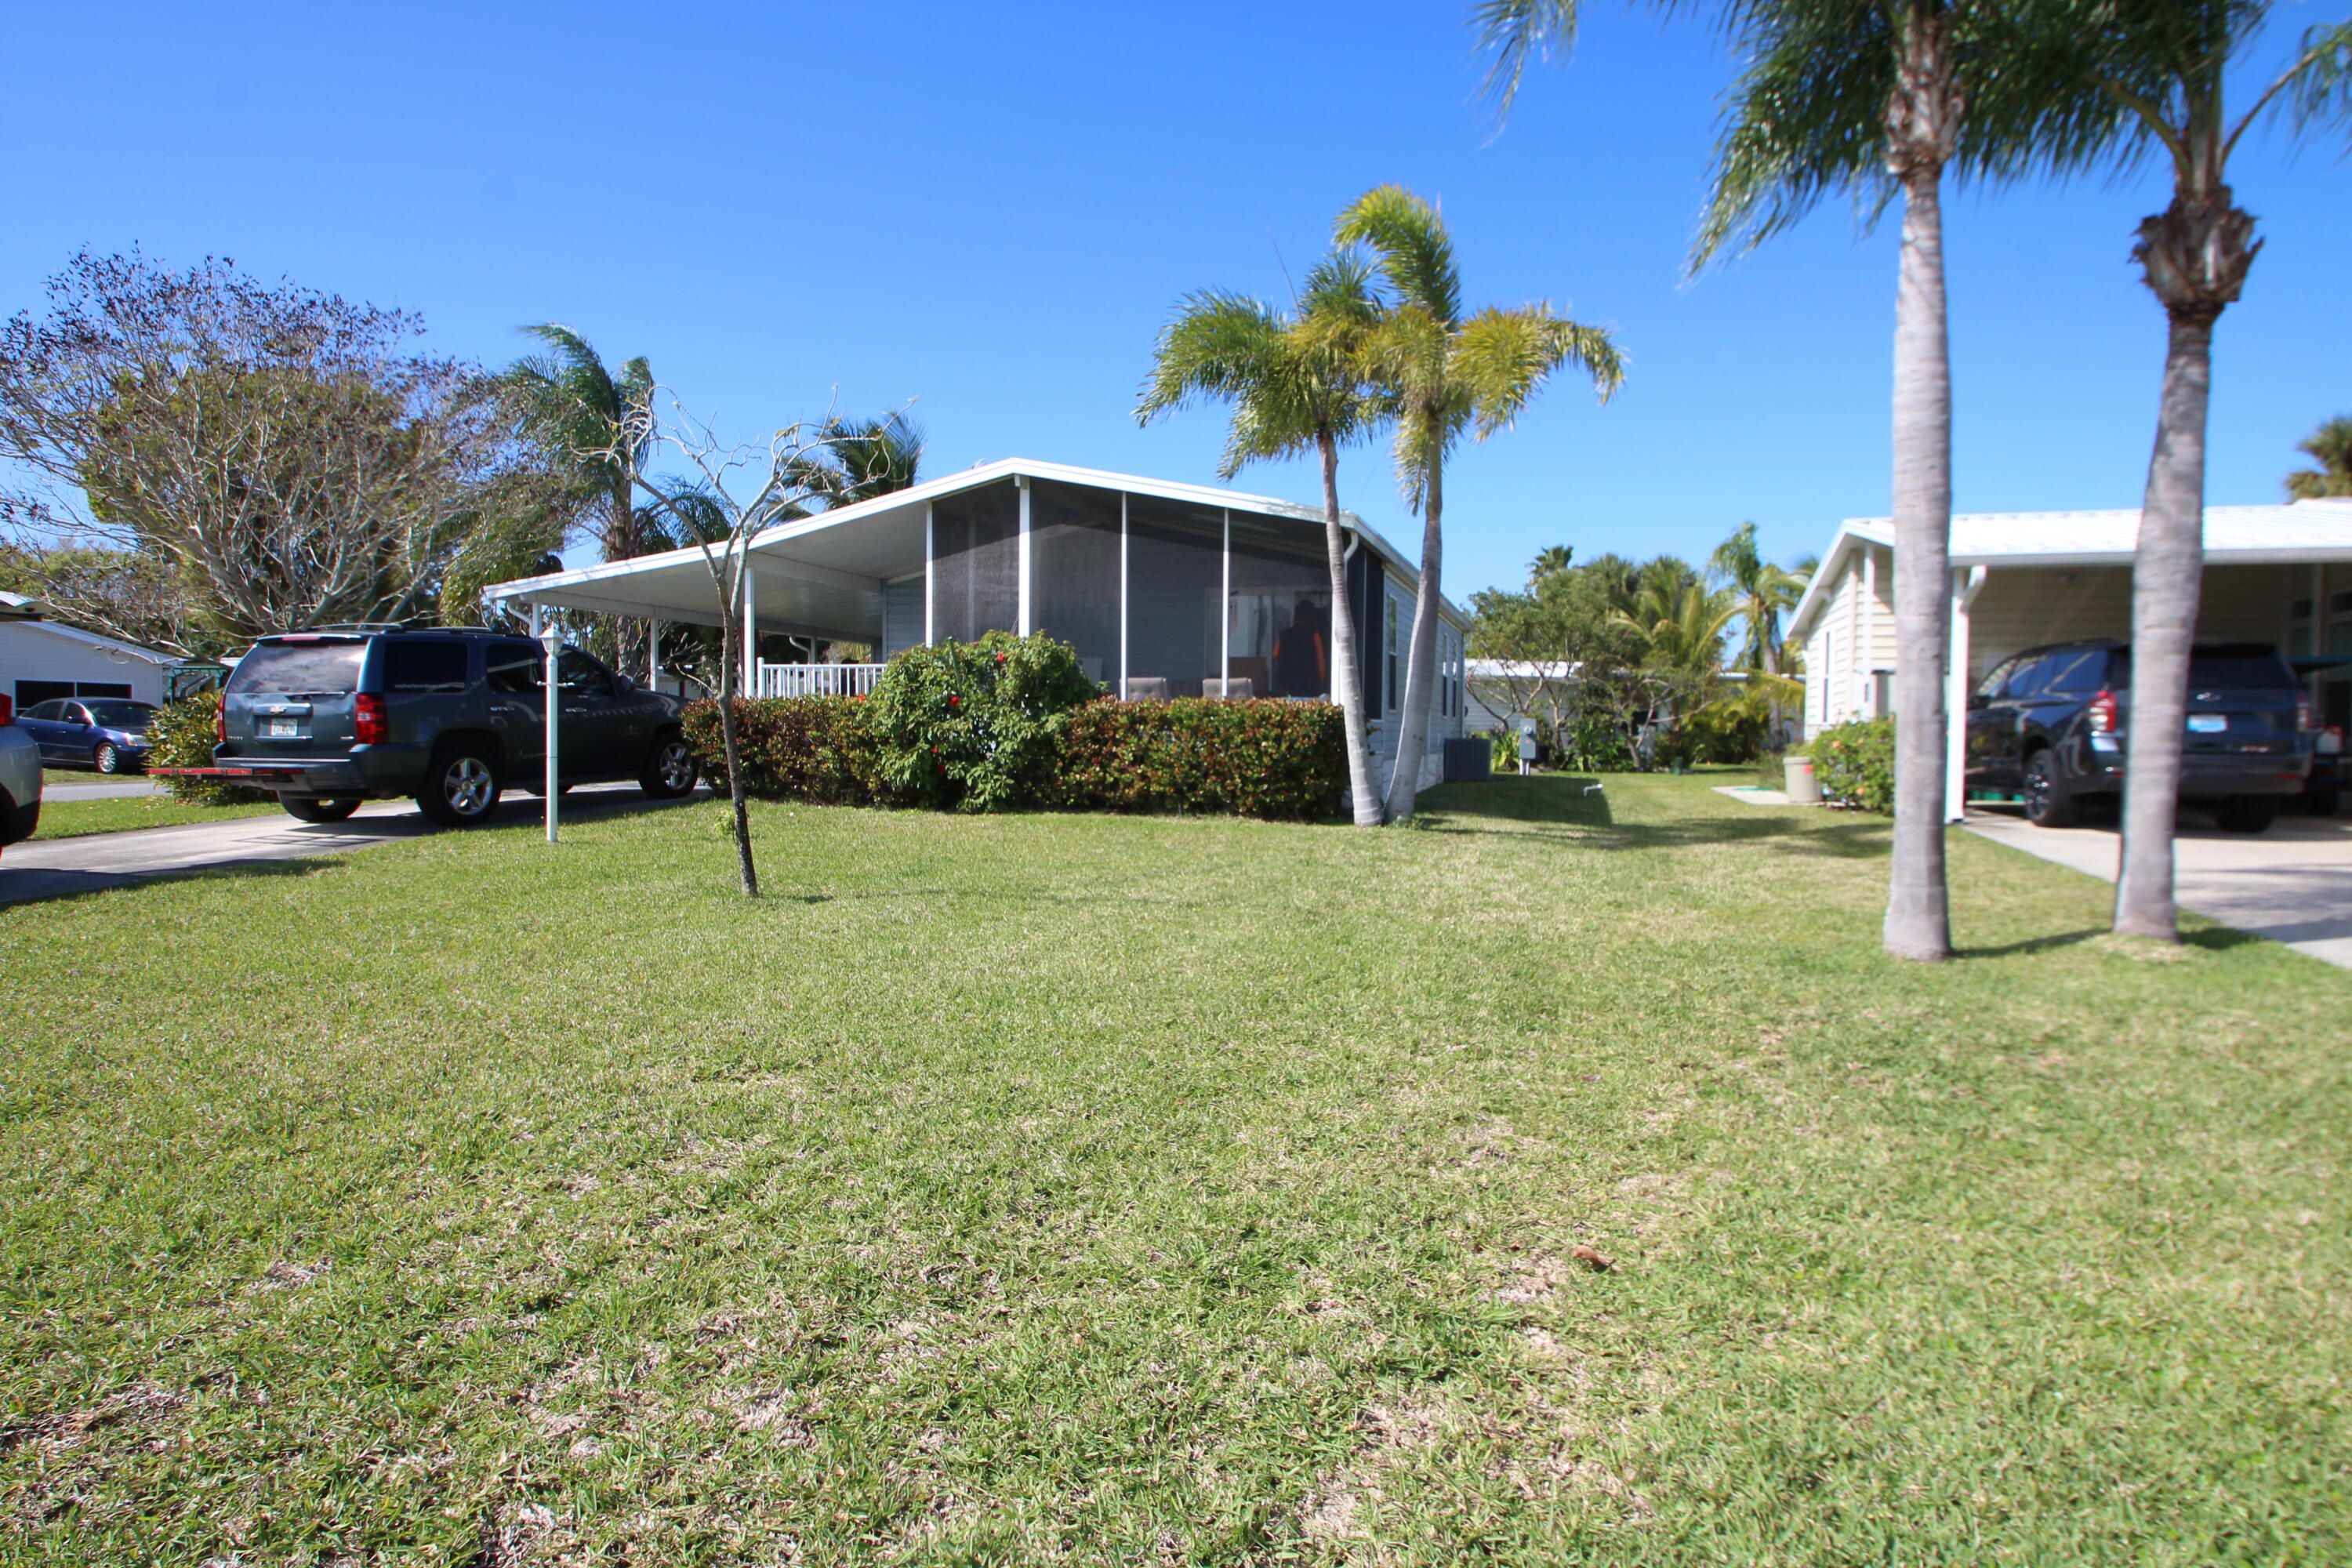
<point x="57" y="867"/>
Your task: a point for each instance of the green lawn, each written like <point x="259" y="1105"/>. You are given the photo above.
<point x="1152" y="1191"/>
<point x="73" y="818"/>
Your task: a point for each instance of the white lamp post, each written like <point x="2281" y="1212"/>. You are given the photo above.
<point x="552" y="639"/>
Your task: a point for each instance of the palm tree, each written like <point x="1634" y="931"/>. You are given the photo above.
<point x="2330" y="446"/>
<point x="2164" y="62"/>
<point x="1762" y="591"/>
<point x="1679" y="626"/>
<point x="1447" y="372"/>
<point x="862" y="458"/>
<point x="591" y="419"/>
<point x="1297" y="384"/>
<point x="1877" y="98"/>
<point x="1551" y="560"/>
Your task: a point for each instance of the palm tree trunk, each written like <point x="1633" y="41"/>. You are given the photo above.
<point x="1919" y="916"/>
<point x="1421" y="657"/>
<point x="2195" y="255"/>
<point x="1346" y="674"/>
<point x="2167" y="573"/>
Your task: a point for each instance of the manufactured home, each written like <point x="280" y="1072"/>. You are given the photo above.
<point x="1164" y="589"/>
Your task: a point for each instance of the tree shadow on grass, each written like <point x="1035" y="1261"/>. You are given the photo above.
<point x="1573" y="810"/>
<point x="44" y="885"/>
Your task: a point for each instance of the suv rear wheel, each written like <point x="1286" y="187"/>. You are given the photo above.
<point x="2047" y="804"/>
<point x="304" y="810"/>
<point x="670" y="768"/>
<point x="461" y="787"/>
<point x="2248" y="813"/>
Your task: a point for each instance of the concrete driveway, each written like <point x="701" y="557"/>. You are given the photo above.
<point x="55" y="868"/>
<point x="2293" y="884"/>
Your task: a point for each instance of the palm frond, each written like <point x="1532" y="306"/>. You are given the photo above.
<point x="1415" y="250"/>
<point x="1515" y="32"/>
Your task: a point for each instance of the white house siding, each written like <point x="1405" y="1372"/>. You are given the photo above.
<point x="1852" y="648"/>
<point x="44" y="651"/>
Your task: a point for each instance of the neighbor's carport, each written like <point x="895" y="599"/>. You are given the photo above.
<point x="2278" y="574"/>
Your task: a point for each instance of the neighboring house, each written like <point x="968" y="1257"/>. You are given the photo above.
<point x="1165" y="589"/>
<point x="42" y="658"/>
<point x="2278" y="574"/>
<point x="1504" y="690"/>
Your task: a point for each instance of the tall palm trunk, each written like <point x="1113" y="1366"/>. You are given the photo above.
<point x="1421" y="658"/>
<point x="1923" y="119"/>
<point x="1347" y="672"/>
<point x="2195" y="256"/>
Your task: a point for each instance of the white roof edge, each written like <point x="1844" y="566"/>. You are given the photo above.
<point x="972" y="479"/>
<point x="98" y="640"/>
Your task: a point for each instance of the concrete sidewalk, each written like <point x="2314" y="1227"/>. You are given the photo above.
<point x="57" y="867"/>
<point x="2292" y="884"/>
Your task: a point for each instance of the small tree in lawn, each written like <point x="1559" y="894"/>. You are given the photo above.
<point x="736" y="491"/>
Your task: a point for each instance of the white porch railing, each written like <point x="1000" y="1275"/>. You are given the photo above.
<point x="817" y="680"/>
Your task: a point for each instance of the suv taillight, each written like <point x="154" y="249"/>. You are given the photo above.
<point x="7" y="709"/>
<point x="2103" y="713"/>
<point x="220" y="720"/>
<point x="2303" y="713"/>
<point x="369" y="726"/>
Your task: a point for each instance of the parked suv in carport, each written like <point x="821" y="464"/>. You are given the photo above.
<point x="2050" y="723"/>
<point x="330" y="718"/>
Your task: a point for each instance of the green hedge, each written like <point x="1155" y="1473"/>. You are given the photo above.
<point x="795" y="748"/>
<point x="1271" y="759"/>
<point x="1267" y="758"/>
<point x="1854" y="763"/>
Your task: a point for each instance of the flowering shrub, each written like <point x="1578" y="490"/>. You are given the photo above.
<point x="181" y="736"/>
<point x="1855" y="764"/>
<point x="976" y="726"/>
<point x="1267" y="758"/>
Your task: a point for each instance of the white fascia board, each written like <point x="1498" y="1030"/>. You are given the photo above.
<point x="783" y="534"/>
<point x="2012" y="561"/>
<point x="93" y="639"/>
<point x="1851" y="535"/>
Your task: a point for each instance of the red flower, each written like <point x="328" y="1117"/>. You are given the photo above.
<point x="1000" y="658"/>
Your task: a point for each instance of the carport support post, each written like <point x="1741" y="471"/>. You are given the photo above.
<point x="551" y="638"/>
<point x="1964" y="588"/>
<point x="653" y="654"/>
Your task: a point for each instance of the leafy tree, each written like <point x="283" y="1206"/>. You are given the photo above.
<point x="2165" y="63"/>
<point x="2330" y="446"/>
<point x="1446" y="372"/>
<point x="277" y="456"/>
<point x="1878" y="98"/>
<point x="1297" y="382"/>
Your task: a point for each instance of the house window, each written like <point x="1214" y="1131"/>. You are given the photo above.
<point x="976" y="562"/>
<point x="1280" y="605"/>
<point x="1176" y="588"/>
<point x="1074" y="571"/>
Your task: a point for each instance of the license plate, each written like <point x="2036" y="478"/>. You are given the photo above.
<point x="2207" y="723"/>
<point x="280" y="729"/>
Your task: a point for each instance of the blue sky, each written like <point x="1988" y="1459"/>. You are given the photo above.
<point x="990" y="209"/>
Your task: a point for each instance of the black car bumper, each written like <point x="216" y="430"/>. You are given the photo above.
<point x="372" y="772"/>
<point x="2206" y="777"/>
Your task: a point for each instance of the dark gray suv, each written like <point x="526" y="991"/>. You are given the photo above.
<point x="2050" y="723"/>
<point x="330" y="718"/>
